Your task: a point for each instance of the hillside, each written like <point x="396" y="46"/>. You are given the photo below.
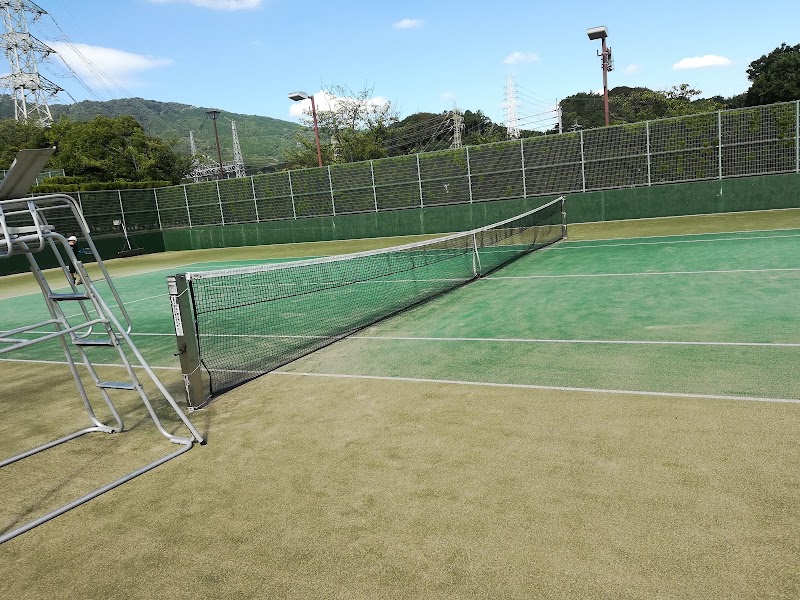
<point x="263" y="139"/>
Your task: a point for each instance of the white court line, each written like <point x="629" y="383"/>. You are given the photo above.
<point x="526" y="386"/>
<point x="127" y="302"/>
<point x="523" y="386"/>
<point x="578" y="245"/>
<point x="61" y="362"/>
<point x="496" y="340"/>
<point x="710" y="272"/>
<point x="100" y="280"/>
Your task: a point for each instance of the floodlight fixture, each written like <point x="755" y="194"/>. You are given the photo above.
<point x="597" y="33"/>
<point x="601" y="33"/>
<point x="297" y="96"/>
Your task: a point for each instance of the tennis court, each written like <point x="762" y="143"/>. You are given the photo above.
<point x="612" y="416"/>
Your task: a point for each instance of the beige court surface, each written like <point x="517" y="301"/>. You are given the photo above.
<point x="615" y="417"/>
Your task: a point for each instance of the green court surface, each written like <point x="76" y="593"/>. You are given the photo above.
<point x="614" y="416"/>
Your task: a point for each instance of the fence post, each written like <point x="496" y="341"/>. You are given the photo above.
<point x="649" y="176"/>
<point x="158" y="210"/>
<point x="291" y="195"/>
<point x="219" y="197"/>
<point x="186" y="199"/>
<point x="469" y="176"/>
<point x="719" y="141"/>
<point x="255" y="200"/>
<point x="330" y="184"/>
<point x="522" y="154"/>
<point x="121" y="210"/>
<point x="583" y="166"/>
<point x="419" y="179"/>
<point x="374" y="190"/>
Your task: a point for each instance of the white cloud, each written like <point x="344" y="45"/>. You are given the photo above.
<point x="96" y="65"/>
<point x="516" y="58"/>
<point x="407" y="24"/>
<point x="448" y="96"/>
<point x="326" y="102"/>
<point x="633" y="69"/>
<point x="700" y="62"/>
<point x="216" y="4"/>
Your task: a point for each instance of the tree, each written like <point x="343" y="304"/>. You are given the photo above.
<point x="304" y="155"/>
<point x="16" y="136"/>
<point x="114" y="149"/>
<point x="635" y="104"/>
<point x="775" y="77"/>
<point x="480" y="129"/>
<point x="355" y="122"/>
<point x="420" y="132"/>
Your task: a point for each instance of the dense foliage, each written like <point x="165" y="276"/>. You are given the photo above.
<point x="775" y="77"/>
<point x="263" y="139"/>
<point x="114" y="149"/>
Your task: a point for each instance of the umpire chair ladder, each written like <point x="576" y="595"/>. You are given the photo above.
<point x="25" y="229"/>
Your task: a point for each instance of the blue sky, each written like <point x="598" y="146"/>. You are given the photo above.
<point x="244" y="56"/>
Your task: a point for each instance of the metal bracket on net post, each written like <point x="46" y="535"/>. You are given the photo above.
<point x="186" y="336"/>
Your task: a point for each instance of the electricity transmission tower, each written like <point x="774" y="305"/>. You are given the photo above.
<point x="23" y="51"/>
<point x="206" y="169"/>
<point x="238" y="159"/>
<point x="512" y="126"/>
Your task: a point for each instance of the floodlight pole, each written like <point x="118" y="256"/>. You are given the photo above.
<point x="601" y="33"/>
<point x="605" y="62"/>
<point x="296" y="96"/>
<point x="214" y="114"/>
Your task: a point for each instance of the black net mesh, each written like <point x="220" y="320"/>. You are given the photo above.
<point x="251" y="321"/>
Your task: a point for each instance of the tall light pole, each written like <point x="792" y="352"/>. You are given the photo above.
<point x="213" y="113"/>
<point x="297" y="96"/>
<point x="601" y="33"/>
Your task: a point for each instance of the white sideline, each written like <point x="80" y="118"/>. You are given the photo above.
<point x="709" y="272"/>
<point x="522" y="386"/>
<point x="577" y="245"/>
<point x="500" y="340"/>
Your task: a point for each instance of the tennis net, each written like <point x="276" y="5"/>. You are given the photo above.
<point x="248" y="321"/>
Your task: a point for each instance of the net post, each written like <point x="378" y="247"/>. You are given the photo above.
<point x="563" y="218"/>
<point x="476" y="257"/>
<point x="186" y="335"/>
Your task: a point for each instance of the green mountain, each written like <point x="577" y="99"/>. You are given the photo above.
<point x="263" y="139"/>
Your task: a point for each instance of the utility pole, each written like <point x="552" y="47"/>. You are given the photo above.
<point x="560" y="114"/>
<point x="512" y="127"/>
<point x="458" y="127"/>
<point x="29" y="89"/>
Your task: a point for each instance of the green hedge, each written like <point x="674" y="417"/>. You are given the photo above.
<point x="66" y="185"/>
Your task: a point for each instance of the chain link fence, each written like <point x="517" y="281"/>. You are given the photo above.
<point x="734" y="143"/>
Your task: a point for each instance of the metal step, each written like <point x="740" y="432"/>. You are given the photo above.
<point x="67" y="297"/>
<point x="116" y="385"/>
<point x="106" y="342"/>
